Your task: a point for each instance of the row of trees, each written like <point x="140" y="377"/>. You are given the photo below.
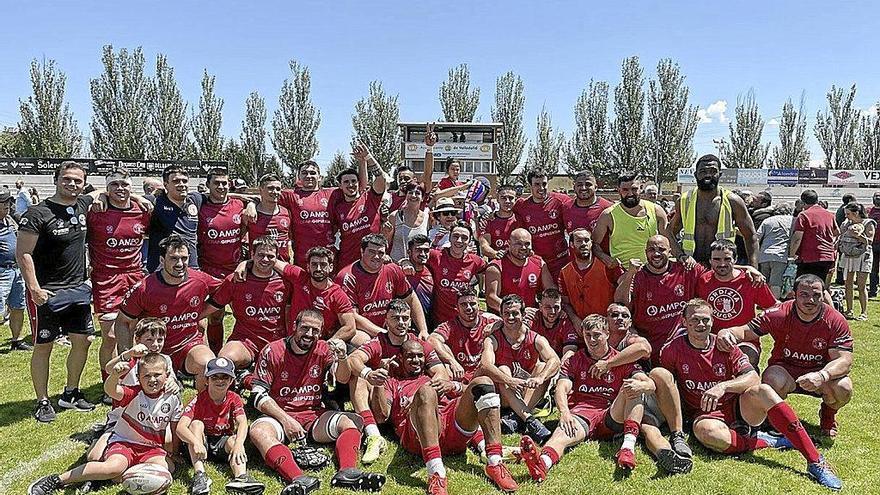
<point x="649" y="126"/>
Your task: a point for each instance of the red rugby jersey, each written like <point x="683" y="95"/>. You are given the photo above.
<point x="450" y="275"/>
<point x="114" y="238"/>
<point x="219" y="235"/>
<point x="499" y="230"/>
<point x="544" y="221"/>
<point x="219" y="419"/>
<point x="353" y="221"/>
<point x="466" y="344"/>
<point x="277" y="225"/>
<point x="370" y="293"/>
<point x="588" y="393"/>
<point x="520" y="359"/>
<point x="733" y="302"/>
<point x="295" y="380"/>
<point x="560" y="334"/>
<point x="257" y="304"/>
<point x="525" y="281"/>
<point x="331" y="302"/>
<point x="312" y="226"/>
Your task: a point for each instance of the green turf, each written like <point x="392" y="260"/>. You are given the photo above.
<point x="29" y="450"/>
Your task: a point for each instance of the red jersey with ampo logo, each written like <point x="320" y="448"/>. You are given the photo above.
<point x="588" y="393"/>
<point x="524" y="281"/>
<point x="733" y="302"/>
<point x="277" y="225"/>
<point x="295" y="380"/>
<point x="219" y="235"/>
<point x="657" y="301"/>
<point x="380" y="347"/>
<point x="800" y="343"/>
<point x="312" y="227"/>
<point x="257" y="304"/>
<point x="219" y="419"/>
<point x="331" y="302"/>
<point x="354" y="220"/>
<point x="561" y="334"/>
<point x="450" y="275"/>
<point x="115" y="238"/>
<point x="519" y="357"/>
<point x="499" y="230"/>
<point x="584" y="217"/>
<point x="698" y="370"/>
<point x="544" y="221"/>
<point x="371" y="293"/>
<point x="466" y="344"/>
<point x="178" y="305"/>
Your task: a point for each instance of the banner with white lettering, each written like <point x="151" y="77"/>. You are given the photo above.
<point x="47" y="166"/>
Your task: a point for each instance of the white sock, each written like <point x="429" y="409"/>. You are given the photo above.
<point x="436" y="466"/>
<point x="481" y="447"/>
<point x="372" y="430"/>
<point x="494" y="460"/>
<point x="629" y="442"/>
<point x="547" y="461"/>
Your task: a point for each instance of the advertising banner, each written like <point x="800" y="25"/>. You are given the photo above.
<point x="465" y="151"/>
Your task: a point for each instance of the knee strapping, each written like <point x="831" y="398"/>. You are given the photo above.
<point x="485" y="397"/>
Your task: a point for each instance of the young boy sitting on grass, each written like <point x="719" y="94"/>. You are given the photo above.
<point x="207" y="429"/>
<point x="139" y="434"/>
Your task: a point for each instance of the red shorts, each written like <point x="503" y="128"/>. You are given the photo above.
<point x="133" y="452"/>
<point x="598" y="421"/>
<point x="727" y="413"/>
<point x="178" y="358"/>
<point x="252" y="343"/>
<point x="798" y="371"/>
<point x="452" y="440"/>
<point x="108" y="290"/>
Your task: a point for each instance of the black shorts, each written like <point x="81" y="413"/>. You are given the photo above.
<point x="818" y="268"/>
<point x="46" y="325"/>
<point x="216" y="447"/>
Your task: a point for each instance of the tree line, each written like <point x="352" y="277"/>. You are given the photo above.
<point x="641" y="124"/>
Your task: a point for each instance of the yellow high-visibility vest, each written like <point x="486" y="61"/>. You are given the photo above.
<point x="725" y="230"/>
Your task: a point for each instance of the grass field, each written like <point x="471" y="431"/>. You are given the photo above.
<point x="29" y="449"/>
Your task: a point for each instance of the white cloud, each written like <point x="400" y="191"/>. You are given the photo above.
<point x="773" y="122"/>
<point x="872" y="111"/>
<point x="714" y="113"/>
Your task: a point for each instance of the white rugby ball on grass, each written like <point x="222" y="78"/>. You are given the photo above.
<point x="146" y="479"/>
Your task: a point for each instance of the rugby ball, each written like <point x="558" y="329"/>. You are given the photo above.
<point x="146" y="479"/>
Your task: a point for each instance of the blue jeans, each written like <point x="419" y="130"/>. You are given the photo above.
<point x="11" y="289"/>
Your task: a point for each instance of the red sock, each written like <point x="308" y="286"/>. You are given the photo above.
<point x="215" y="337"/>
<point x="280" y="458"/>
<point x="429" y="453"/>
<point x="347" y="446"/>
<point x="552" y="454"/>
<point x="247" y="382"/>
<point x="477" y="438"/>
<point x="783" y="418"/>
<point x="630" y="427"/>
<point x="827" y="417"/>
<point x="493" y="449"/>
<point x="368" y="417"/>
<point x="740" y="443"/>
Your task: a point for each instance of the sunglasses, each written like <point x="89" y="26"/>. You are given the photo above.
<point x="448" y="213"/>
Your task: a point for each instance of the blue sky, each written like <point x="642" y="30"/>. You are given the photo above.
<point x="778" y="49"/>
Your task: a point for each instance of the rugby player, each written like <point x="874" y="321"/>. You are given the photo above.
<point x="459" y="341"/>
<point x="310" y="204"/>
<point x="287" y="391"/>
<point x="518" y="272"/>
<point x="356" y="214"/>
<point x="417" y="273"/>
<point x="587" y="286"/>
<point x="176" y="212"/>
<point x="592" y="407"/>
<point x="495" y="238"/>
<point x="453" y="268"/>
<point x="812" y="349"/>
<point x="271" y="218"/>
<point x="432" y="423"/>
<point x="718" y="387"/>
<point x="587" y="207"/>
<point x="542" y="215"/>
<point x="521" y="363"/>
<point x="553" y="325"/>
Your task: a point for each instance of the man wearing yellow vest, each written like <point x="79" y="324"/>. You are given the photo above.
<point x="709" y="213"/>
<point x="628" y="224"/>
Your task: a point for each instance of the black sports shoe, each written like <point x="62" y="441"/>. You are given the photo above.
<point x="536" y="429"/>
<point x="44" y="413"/>
<point x="245" y="484"/>
<point x="355" y="479"/>
<point x="201" y="484"/>
<point x="74" y="399"/>
<point x="106" y="400"/>
<point x="679" y="445"/>
<point x="20" y="345"/>
<point x="510" y="423"/>
<point x="301" y="485"/>
<point x="45" y="485"/>
<point x="673" y="463"/>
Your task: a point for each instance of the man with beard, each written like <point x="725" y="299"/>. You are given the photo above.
<point x="719" y="386"/>
<point x="271" y="219"/>
<point x="812" y="349"/>
<point x="219" y="236"/>
<point x="453" y="268"/>
<point x="403" y="175"/>
<point x="429" y="421"/>
<point x="550" y="323"/>
<point x="592" y="407"/>
<point x="417" y="273"/>
<point x="357" y="213"/>
<point x="371" y="284"/>
<point x="177" y="294"/>
<point x="496" y="235"/>
<point x="518" y="272"/>
<point x="115" y="237"/>
<point x="177" y="212"/>
<point x="542" y="215"/>
<point x="310" y="205"/>
<point x="587" y="286"/>
<point x="287" y="391"/>
<point x="257" y="304"/>
<point x="627" y="225"/>
<point x="521" y="363"/>
<point x="584" y="212"/>
<point x="709" y="213"/>
<point x="732" y="295"/>
<point x="459" y="341"/>
<point x="364" y="369"/>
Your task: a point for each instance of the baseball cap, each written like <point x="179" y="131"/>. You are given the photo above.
<point x="218" y="366"/>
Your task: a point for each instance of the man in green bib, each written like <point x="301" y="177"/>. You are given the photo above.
<point x="627" y="224"/>
<point x="709" y="213"/>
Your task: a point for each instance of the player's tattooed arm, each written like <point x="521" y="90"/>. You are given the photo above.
<point x="380" y="404"/>
<point x="455" y="368"/>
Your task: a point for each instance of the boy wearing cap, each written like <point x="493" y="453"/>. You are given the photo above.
<point x="214" y="426"/>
